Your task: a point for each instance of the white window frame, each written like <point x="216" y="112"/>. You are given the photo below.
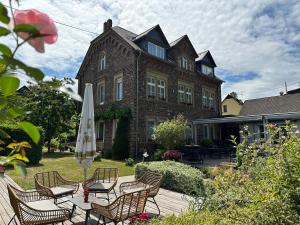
<point x="149" y="137"/>
<point x="151" y="87"/>
<point x="188" y="95"/>
<point x="181" y="94"/>
<point x="119" y="88"/>
<point x="102" y="62"/>
<point x="207" y="70"/>
<point x="101" y="93"/>
<point x="156" y="50"/>
<point x="184" y="62"/>
<point x="211" y="100"/>
<point x="161" y="89"/>
<point x="98" y="130"/>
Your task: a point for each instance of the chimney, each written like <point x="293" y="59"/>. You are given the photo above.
<point x="107" y="25"/>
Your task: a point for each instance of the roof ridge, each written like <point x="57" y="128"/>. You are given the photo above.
<point x="125" y="30"/>
<point x="178" y="39"/>
<point x="146" y="31"/>
<point x="275" y="96"/>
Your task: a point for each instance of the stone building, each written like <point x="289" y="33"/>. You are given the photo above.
<point x="155" y="79"/>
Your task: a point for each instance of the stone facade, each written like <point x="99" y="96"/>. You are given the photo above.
<point x="122" y="59"/>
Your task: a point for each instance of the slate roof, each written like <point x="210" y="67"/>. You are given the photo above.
<point x="202" y="55"/>
<point x="268" y="105"/>
<point x="127" y="35"/>
<point x="174" y="43"/>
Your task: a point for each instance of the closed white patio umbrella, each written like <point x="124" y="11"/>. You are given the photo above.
<point x="86" y="141"/>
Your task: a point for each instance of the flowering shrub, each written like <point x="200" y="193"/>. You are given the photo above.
<point x="264" y="189"/>
<point x="172" y="155"/>
<point x="142" y="218"/>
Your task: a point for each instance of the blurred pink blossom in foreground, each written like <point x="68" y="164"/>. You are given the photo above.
<point x="42" y="22"/>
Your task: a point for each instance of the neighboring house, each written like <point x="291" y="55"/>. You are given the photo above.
<point x="231" y="106"/>
<point x="156" y="79"/>
<point x="256" y="113"/>
<point x="294" y="91"/>
<point x="22" y="90"/>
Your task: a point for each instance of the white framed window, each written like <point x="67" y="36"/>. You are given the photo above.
<point x="205" y="131"/>
<point x="184" y="62"/>
<point x="185" y="94"/>
<point x="181" y="94"/>
<point x="102" y="65"/>
<point x="224" y="108"/>
<point x="119" y="89"/>
<point x="189" y="133"/>
<point x="208" y="99"/>
<point x="188" y="95"/>
<point x="161" y="89"/>
<point x="156" y="88"/>
<point x="100" y="130"/>
<point x="156" y="50"/>
<point x="207" y="70"/>
<point x="151" y="124"/>
<point x="151" y="87"/>
<point x="101" y="93"/>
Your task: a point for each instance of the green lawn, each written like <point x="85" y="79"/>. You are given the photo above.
<point x="67" y="166"/>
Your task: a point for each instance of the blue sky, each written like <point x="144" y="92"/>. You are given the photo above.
<point x="256" y="44"/>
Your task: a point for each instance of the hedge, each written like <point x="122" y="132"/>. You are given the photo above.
<point x="176" y="176"/>
<point x="34" y="154"/>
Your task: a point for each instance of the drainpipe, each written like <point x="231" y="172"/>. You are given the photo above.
<point x="137" y="104"/>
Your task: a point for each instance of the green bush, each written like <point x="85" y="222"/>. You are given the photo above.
<point x="206" y="143"/>
<point x="120" y="148"/>
<point x="177" y="176"/>
<point x="34" y="154"/>
<point x="129" y="162"/>
<point x="170" y="133"/>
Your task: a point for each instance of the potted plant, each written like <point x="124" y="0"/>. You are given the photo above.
<point x="16" y="158"/>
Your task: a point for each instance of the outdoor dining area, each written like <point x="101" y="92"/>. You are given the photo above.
<point x="100" y="199"/>
<point x="44" y="205"/>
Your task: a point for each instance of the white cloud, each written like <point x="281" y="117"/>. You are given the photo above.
<point x="261" y="37"/>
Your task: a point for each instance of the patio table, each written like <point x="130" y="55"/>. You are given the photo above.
<point x="78" y="201"/>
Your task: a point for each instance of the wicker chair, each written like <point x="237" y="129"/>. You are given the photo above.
<point x="123" y="207"/>
<point x="149" y="180"/>
<point x="32" y="208"/>
<point x="103" y="180"/>
<point x="53" y="185"/>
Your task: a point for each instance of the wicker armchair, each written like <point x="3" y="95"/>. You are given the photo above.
<point x="149" y="180"/>
<point x="123" y="207"/>
<point x="53" y="185"/>
<point x="103" y="180"/>
<point x="33" y="208"/>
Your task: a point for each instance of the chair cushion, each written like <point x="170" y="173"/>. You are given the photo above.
<point x="59" y="191"/>
<point x="100" y="186"/>
<point x="130" y="190"/>
<point x="43" y="205"/>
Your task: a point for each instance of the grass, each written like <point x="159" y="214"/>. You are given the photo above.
<point x="67" y="166"/>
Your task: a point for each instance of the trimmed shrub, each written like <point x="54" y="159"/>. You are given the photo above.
<point x="34" y="154"/>
<point x="177" y="176"/>
<point x="120" y="148"/>
<point x="129" y="162"/>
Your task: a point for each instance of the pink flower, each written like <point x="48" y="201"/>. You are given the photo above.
<point x="42" y="22"/>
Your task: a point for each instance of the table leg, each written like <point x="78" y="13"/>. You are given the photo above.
<point x="73" y="209"/>
<point x="87" y="215"/>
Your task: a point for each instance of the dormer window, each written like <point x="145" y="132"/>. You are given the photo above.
<point x="184" y="63"/>
<point x="156" y="50"/>
<point x="207" y="70"/>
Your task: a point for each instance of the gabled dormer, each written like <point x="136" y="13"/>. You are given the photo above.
<point x="154" y="42"/>
<point x="183" y="53"/>
<point x="205" y="64"/>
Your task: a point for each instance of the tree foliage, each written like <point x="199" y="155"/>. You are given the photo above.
<point x="50" y="109"/>
<point x="170" y="133"/>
